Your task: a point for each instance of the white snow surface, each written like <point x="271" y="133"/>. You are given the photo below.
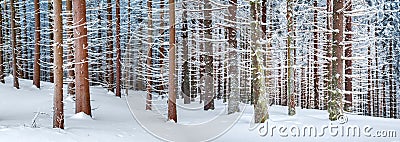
<point x="26" y="115"/>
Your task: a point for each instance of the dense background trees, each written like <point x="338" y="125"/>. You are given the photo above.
<point x="340" y="55"/>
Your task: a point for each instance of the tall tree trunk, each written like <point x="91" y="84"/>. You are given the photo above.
<point x="160" y="84"/>
<point x="25" y="52"/>
<point x="316" y="65"/>
<point x="70" y="56"/>
<point x="261" y="100"/>
<point x="51" y="38"/>
<point x="172" y="64"/>
<point x="36" y="64"/>
<point x="1" y="47"/>
<point x="370" y="83"/>
<point x="335" y="105"/>
<point x="392" y="94"/>
<point x="110" y="69"/>
<point x="328" y="48"/>
<point x="58" y="117"/>
<point x="81" y="55"/>
<point x="209" y="68"/>
<point x="185" y="83"/>
<point x="149" y="54"/>
<point x="128" y="52"/>
<point x="118" y="47"/>
<point x="233" y="71"/>
<point x="14" y="45"/>
<point x="290" y="95"/>
<point x="348" y="62"/>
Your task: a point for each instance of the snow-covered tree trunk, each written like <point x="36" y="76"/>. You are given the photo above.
<point x="70" y="57"/>
<point x="291" y="103"/>
<point x="186" y="77"/>
<point x="328" y="49"/>
<point x="109" y="58"/>
<point x="316" y="64"/>
<point x="208" y="58"/>
<point x="233" y="71"/>
<point x="335" y="104"/>
<point x="58" y="117"/>
<point x="348" y="62"/>
<point x="172" y="64"/>
<point x="81" y="58"/>
<point x="51" y="38"/>
<point x="149" y="54"/>
<point x="261" y="99"/>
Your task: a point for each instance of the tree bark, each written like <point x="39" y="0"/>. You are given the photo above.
<point x="51" y="38"/>
<point x="149" y="54"/>
<point x="290" y="95"/>
<point x="172" y="64"/>
<point x="348" y="62"/>
<point x="209" y="68"/>
<point x="118" y="47"/>
<point x="185" y="83"/>
<point x="335" y="105"/>
<point x="36" y="64"/>
<point x="110" y="69"/>
<point x="316" y="65"/>
<point x="58" y="117"/>
<point x="234" y="98"/>
<point x="70" y="57"/>
<point x="14" y="45"/>
<point x="81" y="56"/>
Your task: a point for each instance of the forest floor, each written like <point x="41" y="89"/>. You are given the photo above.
<point x="26" y="115"/>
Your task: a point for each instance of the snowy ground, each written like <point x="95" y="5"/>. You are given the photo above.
<point x="124" y="119"/>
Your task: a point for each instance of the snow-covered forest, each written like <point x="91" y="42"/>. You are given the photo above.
<point x="254" y="59"/>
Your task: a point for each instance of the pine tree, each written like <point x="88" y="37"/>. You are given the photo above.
<point x="58" y="118"/>
<point x="348" y="62"/>
<point x="185" y="83"/>
<point x="172" y="65"/>
<point x="316" y="76"/>
<point x="109" y="58"/>
<point x="149" y="54"/>
<point x="51" y="37"/>
<point x="36" y="64"/>
<point x="81" y="57"/>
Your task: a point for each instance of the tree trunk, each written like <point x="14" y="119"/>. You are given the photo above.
<point x="209" y="68"/>
<point x="328" y="48"/>
<point x="58" y="117"/>
<point x="14" y="45"/>
<point x="234" y="98"/>
<point x="70" y="57"/>
<point x="51" y="38"/>
<point x="316" y="65"/>
<point x="36" y="64"/>
<point x="118" y="47"/>
<point x="81" y="56"/>
<point x="149" y="54"/>
<point x="110" y="69"/>
<point x="128" y="52"/>
<point x="172" y="64"/>
<point x="185" y="83"/>
<point x="290" y="95"/>
<point x="335" y="106"/>
<point x="160" y="84"/>
<point x="348" y="62"/>
<point x="261" y="100"/>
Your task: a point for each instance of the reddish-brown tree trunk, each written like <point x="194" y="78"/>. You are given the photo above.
<point x="172" y="64"/>
<point x="36" y="64"/>
<point x="14" y="45"/>
<point x="118" y="47"/>
<point x="58" y="117"/>
<point x="110" y="69"/>
<point x="70" y="57"/>
<point x="81" y="56"/>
